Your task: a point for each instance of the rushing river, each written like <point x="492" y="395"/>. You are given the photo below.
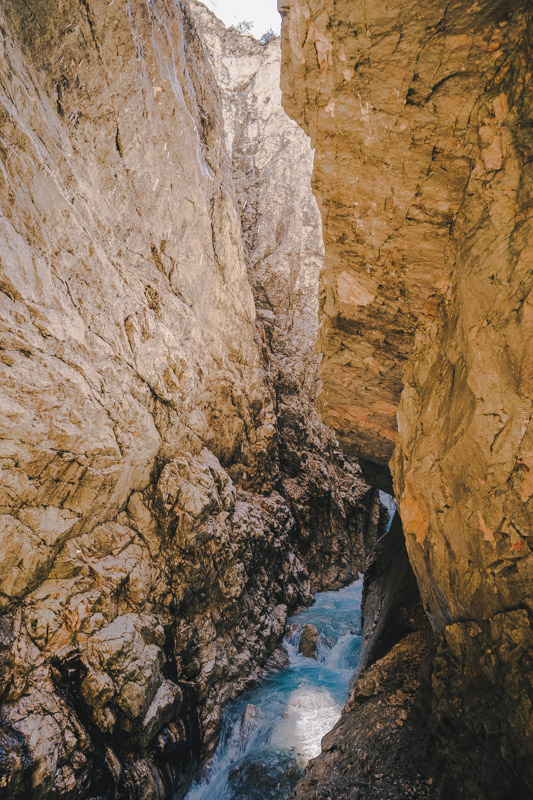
<point x="270" y="733"/>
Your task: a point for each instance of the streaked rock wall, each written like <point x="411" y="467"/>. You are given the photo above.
<point x="421" y="119"/>
<point x="148" y="551"/>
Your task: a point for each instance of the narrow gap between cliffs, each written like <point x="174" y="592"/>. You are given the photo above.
<point x="270" y="733"/>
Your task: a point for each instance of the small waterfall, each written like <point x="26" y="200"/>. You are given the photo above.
<point x="390" y="504"/>
<point x="291" y="642"/>
<point x="341" y="655"/>
<point x="270" y="733"/>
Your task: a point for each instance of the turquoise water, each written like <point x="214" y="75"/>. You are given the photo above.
<point x="270" y="733"/>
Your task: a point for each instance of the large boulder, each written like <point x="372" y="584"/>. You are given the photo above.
<point x="309" y="641"/>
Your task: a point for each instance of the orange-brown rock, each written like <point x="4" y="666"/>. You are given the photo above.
<point x="148" y="550"/>
<point x="421" y="117"/>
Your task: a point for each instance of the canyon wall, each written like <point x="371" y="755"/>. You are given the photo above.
<point x="155" y="464"/>
<point x="421" y="118"/>
<point x="282" y="235"/>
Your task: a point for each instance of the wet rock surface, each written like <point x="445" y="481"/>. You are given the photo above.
<point x="151" y="545"/>
<point x="421" y="115"/>
<point x="381" y="747"/>
<point x="309" y="641"/>
<point x="391" y="605"/>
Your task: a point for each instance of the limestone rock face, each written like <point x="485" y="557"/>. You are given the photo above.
<point x="272" y="163"/>
<point x="421" y="118"/>
<point x="148" y="548"/>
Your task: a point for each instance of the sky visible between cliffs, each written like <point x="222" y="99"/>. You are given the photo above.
<point x="263" y="14"/>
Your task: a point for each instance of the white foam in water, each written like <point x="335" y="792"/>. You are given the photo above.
<point x="291" y="642"/>
<point x="339" y="654"/>
<point x="270" y="733"/>
<point x="390" y="504"/>
<point x="311" y="713"/>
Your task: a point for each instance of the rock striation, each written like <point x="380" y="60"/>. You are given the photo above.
<point x="284" y="253"/>
<point x="156" y="470"/>
<point x="421" y="118"/>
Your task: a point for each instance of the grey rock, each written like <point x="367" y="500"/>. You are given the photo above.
<point x="163" y="708"/>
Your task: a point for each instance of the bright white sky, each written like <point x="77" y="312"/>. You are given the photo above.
<point x="263" y="13"/>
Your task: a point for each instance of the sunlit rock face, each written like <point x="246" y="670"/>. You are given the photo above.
<point x="272" y="162"/>
<point x="421" y="118"/>
<point x="148" y="549"/>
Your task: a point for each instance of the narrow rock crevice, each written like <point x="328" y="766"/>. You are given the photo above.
<point x="167" y="498"/>
<point x="171" y="490"/>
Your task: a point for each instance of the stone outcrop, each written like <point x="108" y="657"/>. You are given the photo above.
<point x="309" y="641"/>
<point x="421" y="118"/>
<point x="284" y="253"/>
<point x="155" y="472"/>
<point x="391" y="605"/>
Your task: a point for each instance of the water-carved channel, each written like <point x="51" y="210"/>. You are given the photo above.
<point x="270" y="733"/>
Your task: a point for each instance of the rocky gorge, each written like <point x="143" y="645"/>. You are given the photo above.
<point x="168" y="490"/>
<point x="420" y="114"/>
<point x="181" y="469"/>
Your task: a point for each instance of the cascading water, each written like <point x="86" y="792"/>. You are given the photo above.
<point x="390" y="504"/>
<point x="270" y="733"/>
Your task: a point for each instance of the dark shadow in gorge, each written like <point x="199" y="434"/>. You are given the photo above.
<point x="382" y="746"/>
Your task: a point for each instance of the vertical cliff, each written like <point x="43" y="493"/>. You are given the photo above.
<point x="421" y="118"/>
<point x="151" y="539"/>
<point x="272" y="162"/>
